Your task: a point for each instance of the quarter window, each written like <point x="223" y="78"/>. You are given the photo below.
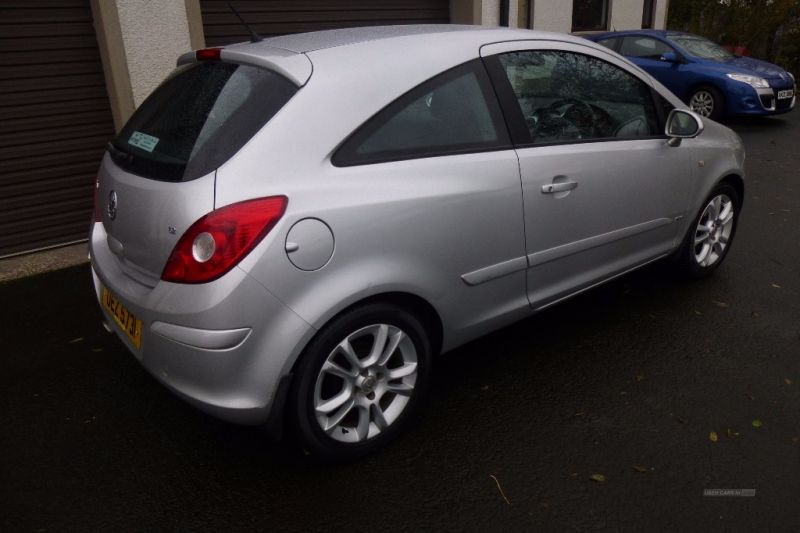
<point x="609" y="43"/>
<point x="455" y="112"/>
<point x="567" y="97"/>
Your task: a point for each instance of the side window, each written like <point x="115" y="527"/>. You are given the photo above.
<point x="609" y="43"/>
<point x="565" y="96"/>
<point x="644" y="47"/>
<point x="455" y="112"/>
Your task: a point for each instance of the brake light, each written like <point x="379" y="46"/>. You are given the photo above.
<point x="219" y="240"/>
<point x="98" y="214"/>
<point x="208" y="54"/>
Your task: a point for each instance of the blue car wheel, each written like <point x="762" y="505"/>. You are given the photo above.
<point x="707" y="102"/>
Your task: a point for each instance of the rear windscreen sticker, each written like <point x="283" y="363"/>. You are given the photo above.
<point x="143" y="141"/>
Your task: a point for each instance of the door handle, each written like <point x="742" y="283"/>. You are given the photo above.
<point x="559" y="187"/>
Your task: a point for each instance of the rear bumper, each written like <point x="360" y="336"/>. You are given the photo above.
<point x="222" y="346"/>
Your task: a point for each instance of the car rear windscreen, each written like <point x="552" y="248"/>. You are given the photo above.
<point x="197" y="119"/>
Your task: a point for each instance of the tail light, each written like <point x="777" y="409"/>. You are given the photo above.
<point x="218" y="241"/>
<point x="98" y="214"/>
<point x="208" y="54"/>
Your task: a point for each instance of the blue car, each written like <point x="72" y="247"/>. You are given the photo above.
<point x="711" y="80"/>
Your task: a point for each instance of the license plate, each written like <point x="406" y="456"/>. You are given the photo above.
<point x="126" y="320"/>
<point x="782" y="95"/>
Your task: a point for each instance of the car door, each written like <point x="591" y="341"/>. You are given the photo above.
<point x="602" y="189"/>
<point x="649" y="54"/>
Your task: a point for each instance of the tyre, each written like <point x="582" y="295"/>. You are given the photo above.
<point x="711" y="234"/>
<point x="708" y="102"/>
<point x="359" y="382"/>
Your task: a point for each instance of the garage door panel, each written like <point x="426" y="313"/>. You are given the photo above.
<point x="35" y="57"/>
<point x="46" y="178"/>
<point x="55" y="121"/>
<point x="43" y="162"/>
<point x="49" y="44"/>
<point x="50" y="83"/>
<point x="54" y="135"/>
<point x="281" y="17"/>
<point x="44" y="70"/>
<point x="72" y="113"/>
<point x="54" y="147"/>
<point x="55" y="232"/>
<point x="55" y="96"/>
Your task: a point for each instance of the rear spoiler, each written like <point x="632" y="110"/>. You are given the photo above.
<point x="292" y="65"/>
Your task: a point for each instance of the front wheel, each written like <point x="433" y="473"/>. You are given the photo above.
<point x="359" y="382"/>
<point x="711" y="234"/>
<point x="707" y="102"/>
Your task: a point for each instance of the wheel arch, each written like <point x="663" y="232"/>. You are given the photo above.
<point x="737" y="182"/>
<point x="710" y="83"/>
<point x="412" y="303"/>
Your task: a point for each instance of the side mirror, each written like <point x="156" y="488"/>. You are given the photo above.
<point x="682" y="124"/>
<point x="669" y="57"/>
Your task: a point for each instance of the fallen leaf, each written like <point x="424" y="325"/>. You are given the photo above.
<point x="599" y="478"/>
<point x="579" y="414"/>
<point x="713" y="437"/>
<point x="756" y="423"/>
<point x="77" y="339"/>
<point x="788" y="381"/>
<point x="728" y="432"/>
<point x="720" y="304"/>
<point x="698" y="313"/>
<point x="639" y="377"/>
<point x="776" y="285"/>
<point x="640" y="468"/>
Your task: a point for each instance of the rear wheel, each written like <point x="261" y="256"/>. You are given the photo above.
<point x="707" y="102"/>
<point x="711" y="234"/>
<point x="359" y="382"/>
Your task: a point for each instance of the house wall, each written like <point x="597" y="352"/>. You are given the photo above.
<point x="139" y="42"/>
<point x="556" y="15"/>
<point x="552" y="15"/>
<point x="152" y="38"/>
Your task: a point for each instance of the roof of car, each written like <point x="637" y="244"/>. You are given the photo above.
<point x="478" y="35"/>
<point x="654" y="33"/>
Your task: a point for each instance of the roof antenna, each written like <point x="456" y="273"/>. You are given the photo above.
<point x="254" y="37"/>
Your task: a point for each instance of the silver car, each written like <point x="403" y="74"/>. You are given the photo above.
<point x="287" y="231"/>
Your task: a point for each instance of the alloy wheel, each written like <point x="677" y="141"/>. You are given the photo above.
<point x="702" y="103"/>
<point x="713" y="232"/>
<point x="365" y="383"/>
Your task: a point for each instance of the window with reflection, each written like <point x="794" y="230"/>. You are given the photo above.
<point x="566" y="96"/>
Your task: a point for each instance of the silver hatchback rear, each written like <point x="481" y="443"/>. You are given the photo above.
<point x="294" y="228"/>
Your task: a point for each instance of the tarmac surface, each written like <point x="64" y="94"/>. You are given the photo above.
<point x="627" y="381"/>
